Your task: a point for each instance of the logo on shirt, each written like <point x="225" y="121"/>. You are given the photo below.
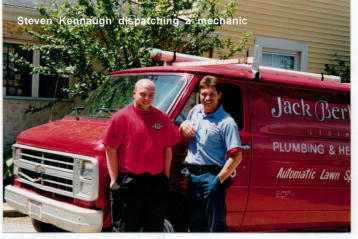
<point x="157" y="126"/>
<point x="212" y="127"/>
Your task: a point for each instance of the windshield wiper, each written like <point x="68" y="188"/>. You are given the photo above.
<point x="107" y="110"/>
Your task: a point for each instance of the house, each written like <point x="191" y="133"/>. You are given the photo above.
<point x="296" y="35"/>
<point x="24" y="94"/>
<point x="289" y="34"/>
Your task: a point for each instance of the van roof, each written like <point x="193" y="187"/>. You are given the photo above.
<point x="244" y="71"/>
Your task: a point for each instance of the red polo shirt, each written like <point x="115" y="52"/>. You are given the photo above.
<point x="140" y="138"/>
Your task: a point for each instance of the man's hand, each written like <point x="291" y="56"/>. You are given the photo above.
<point x="111" y="184"/>
<point x="187" y="129"/>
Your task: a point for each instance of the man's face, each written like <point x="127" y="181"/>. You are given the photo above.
<point x="143" y="95"/>
<point x="209" y="98"/>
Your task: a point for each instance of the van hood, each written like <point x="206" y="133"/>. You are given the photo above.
<point x="82" y="136"/>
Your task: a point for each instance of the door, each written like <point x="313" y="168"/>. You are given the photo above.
<point x="234" y="102"/>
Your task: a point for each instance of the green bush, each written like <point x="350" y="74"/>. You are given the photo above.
<point x="8" y="164"/>
<point x="339" y="68"/>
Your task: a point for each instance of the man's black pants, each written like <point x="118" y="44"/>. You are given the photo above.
<point x="139" y="202"/>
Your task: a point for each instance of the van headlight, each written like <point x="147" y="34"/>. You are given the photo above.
<point x="16" y="154"/>
<point x="85" y="178"/>
<point x="87" y="170"/>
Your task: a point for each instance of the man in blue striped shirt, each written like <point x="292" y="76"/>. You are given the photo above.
<point x="214" y="153"/>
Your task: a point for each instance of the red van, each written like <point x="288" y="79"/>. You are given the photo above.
<point x="295" y="173"/>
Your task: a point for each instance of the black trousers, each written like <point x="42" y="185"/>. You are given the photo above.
<point x="139" y="202"/>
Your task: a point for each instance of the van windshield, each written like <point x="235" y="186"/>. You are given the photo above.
<point x="116" y="93"/>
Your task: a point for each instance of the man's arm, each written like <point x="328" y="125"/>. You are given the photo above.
<point x="167" y="160"/>
<point x="112" y="163"/>
<point x="229" y="167"/>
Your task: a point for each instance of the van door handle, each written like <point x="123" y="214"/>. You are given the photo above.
<point x="245" y="147"/>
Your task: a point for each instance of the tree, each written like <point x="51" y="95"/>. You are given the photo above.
<point x="92" y="38"/>
<point x="341" y="68"/>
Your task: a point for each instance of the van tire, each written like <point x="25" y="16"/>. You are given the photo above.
<point x="45" y="227"/>
<point x="168" y="226"/>
<point x="175" y="220"/>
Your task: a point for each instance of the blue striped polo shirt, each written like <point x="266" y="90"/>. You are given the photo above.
<point x="216" y="134"/>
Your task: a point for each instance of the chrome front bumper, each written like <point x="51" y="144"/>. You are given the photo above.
<point x="63" y="215"/>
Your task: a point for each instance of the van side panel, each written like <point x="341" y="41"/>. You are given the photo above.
<point x="236" y="195"/>
<point x="300" y="174"/>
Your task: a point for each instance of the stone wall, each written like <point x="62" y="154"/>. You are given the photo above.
<point x="15" y="120"/>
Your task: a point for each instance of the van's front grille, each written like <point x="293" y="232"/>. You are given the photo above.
<point x="57" y="174"/>
<point x="50" y="159"/>
<point x="45" y="170"/>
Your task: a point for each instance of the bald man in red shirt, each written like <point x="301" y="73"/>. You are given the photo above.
<point x="138" y="151"/>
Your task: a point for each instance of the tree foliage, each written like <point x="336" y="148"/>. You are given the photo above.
<point x="340" y="68"/>
<point x="90" y="52"/>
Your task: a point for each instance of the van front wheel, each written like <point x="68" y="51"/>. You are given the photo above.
<point x="175" y="220"/>
<point x="168" y="226"/>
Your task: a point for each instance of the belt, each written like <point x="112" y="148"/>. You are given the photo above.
<point x="200" y="169"/>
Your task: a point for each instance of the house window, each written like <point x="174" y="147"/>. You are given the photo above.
<point x="47" y="86"/>
<point x="284" y="54"/>
<point x="18" y="80"/>
<point x="282" y="60"/>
